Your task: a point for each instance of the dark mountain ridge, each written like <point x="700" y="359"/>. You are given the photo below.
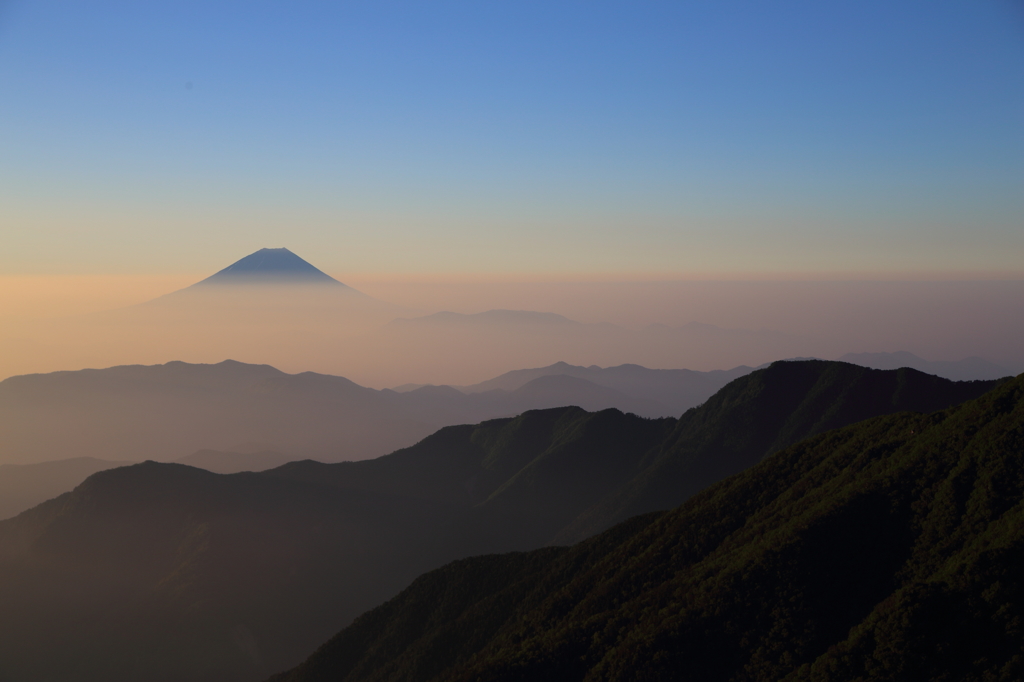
<point x="231" y="577"/>
<point x="886" y="550"/>
<point x="759" y="414"/>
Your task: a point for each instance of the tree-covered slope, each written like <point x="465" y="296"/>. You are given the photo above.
<point x="887" y="550"/>
<point x="168" y="572"/>
<point x="762" y="413"/>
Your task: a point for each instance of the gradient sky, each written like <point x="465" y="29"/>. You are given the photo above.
<point x="875" y="138"/>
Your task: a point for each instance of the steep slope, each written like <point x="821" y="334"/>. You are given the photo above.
<point x="524" y="478"/>
<point x="887" y="550"/>
<point x="761" y="413"/>
<point x="269" y="266"/>
<point x="230" y="577"/>
<point x="194" y="573"/>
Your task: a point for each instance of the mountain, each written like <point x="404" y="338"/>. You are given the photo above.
<point x="270" y="304"/>
<point x="968" y="369"/>
<point x="675" y="390"/>
<point x="759" y="414"/>
<point x="269" y="266"/>
<point x="887" y="550"/>
<point x="231" y="577"/>
<point x="166" y="412"/>
<point x="168" y="572"/>
<point x="450" y="344"/>
<point x="23" y="486"/>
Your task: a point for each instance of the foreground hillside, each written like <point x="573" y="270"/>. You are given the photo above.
<point x="887" y="550"/>
<point x="167" y="572"/>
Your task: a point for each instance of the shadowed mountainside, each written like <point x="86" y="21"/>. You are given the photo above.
<point x="888" y="550"/>
<point x="759" y="414"/>
<point x="231" y="577"/>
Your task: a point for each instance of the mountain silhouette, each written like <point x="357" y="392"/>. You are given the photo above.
<point x="675" y="390"/>
<point x="269" y="266"/>
<point x="887" y="550"/>
<point x="166" y="412"/>
<point x="971" y="368"/>
<point x="270" y="299"/>
<point x="168" y="572"/>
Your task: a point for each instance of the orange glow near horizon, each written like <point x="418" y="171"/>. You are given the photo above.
<point x="70" y="322"/>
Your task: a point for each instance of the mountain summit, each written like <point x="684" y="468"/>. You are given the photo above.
<point x="270" y="266"/>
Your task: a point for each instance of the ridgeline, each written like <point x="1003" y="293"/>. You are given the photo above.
<point x="886" y="550"/>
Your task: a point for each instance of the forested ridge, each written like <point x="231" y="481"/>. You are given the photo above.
<point x="887" y="550"/>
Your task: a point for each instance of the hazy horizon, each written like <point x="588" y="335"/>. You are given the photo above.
<point x="75" y="322"/>
<point x="813" y="179"/>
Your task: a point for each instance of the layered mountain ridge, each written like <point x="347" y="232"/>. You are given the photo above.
<point x="232" y="577"/>
<point x="886" y="550"/>
<point x="169" y="411"/>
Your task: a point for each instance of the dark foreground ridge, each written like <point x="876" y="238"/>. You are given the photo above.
<point x="270" y="266"/>
<point x="165" y="572"/>
<point x="887" y="550"/>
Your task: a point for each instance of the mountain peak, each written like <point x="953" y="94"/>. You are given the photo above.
<point x="270" y="266"/>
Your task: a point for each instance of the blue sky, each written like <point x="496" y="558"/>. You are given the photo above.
<point x="648" y="138"/>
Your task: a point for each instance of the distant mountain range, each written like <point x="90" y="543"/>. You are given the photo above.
<point x="968" y="369"/>
<point x="165" y="412"/>
<point x="675" y="390"/>
<point x="888" y="550"/>
<point x="456" y="344"/>
<point x="274" y="307"/>
<point x="234" y="417"/>
<point x="167" y="572"/>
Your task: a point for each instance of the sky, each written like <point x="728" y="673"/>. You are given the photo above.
<point x="650" y="140"/>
